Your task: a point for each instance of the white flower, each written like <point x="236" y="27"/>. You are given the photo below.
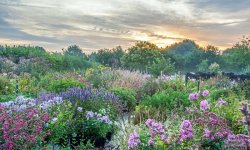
<point x="54" y="120"/>
<point x="79" y="109"/>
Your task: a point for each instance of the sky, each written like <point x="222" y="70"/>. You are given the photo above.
<point x="97" y="24"/>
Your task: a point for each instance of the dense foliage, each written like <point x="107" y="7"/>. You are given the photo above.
<point x="116" y="99"/>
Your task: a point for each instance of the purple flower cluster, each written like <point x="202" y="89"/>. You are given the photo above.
<point x="194" y="96"/>
<point x="239" y="139"/>
<point x="99" y="117"/>
<point x="156" y="129"/>
<point x="186" y="130"/>
<point x="134" y="140"/>
<point x="205" y="93"/>
<point x="204" y="105"/>
<point x="87" y="93"/>
<point x="217" y="126"/>
<point x="51" y="102"/>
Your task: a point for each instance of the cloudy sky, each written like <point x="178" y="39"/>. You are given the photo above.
<point x="96" y="24"/>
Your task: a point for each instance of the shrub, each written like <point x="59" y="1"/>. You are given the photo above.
<point x="6" y="87"/>
<point x="150" y="87"/>
<point x="28" y="85"/>
<point x="94" y="99"/>
<point x="23" y="129"/>
<point x="63" y="84"/>
<point x="127" y="96"/>
<point x="74" y="126"/>
<point x="168" y="100"/>
<point x="161" y="66"/>
<point x="101" y="77"/>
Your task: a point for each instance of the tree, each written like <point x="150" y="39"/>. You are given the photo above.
<point x="214" y="67"/>
<point x="238" y="57"/>
<point x="107" y="57"/>
<point x="203" y="66"/>
<point x="141" y="56"/>
<point x="162" y="65"/>
<point x="74" y="50"/>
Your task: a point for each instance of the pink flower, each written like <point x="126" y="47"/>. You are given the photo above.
<point x="207" y="133"/>
<point x="204" y="105"/>
<point x="194" y="96"/>
<point x="134" y="140"/>
<point x="45" y="117"/>
<point x="186" y="130"/>
<point x="205" y="93"/>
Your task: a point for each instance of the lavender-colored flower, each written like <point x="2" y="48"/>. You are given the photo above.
<point x="204" y="105"/>
<point x="186" y="130"/>
<point x="205" y="93"/>
<point x="134" y="140"/>
<point x="105" y="119"/>
<point x="90" y="114"/>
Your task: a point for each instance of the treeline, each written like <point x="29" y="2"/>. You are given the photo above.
<point x="185" y="56"/>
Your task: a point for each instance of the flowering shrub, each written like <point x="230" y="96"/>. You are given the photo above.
<point x="97" y="127"/>
<point x="23" y="129"/>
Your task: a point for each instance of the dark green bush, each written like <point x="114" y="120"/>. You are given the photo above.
<point x="127" y="96"/>
<point x="63" y="84"/>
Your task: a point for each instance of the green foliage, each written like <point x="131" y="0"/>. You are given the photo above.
<point x="101" y="77"/>
<point x="74" y="50"/>
<point x="203" y="66"/>
<point x="169" y="100"/>
<point x="214" y="67"/>
<point x="98" y="105"/>
<point x="127" y="96"/>
<point x="107" y="57"/>
<point x="247" y="70"/>
<point x="60" y="126"/>
<point x="238" y="57"/>
<point x="150" y="87"/>
<point x="161" y="66"/>
<point x="71" y="128"/>
<point x="63" y="84"/>
<point x="6" y="87"/>
<point x="28" y="85"/>
<point x="140" y="56"/>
